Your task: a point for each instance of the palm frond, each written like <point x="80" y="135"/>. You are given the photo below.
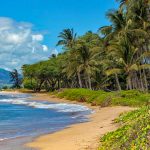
<point x="113" y="71"/>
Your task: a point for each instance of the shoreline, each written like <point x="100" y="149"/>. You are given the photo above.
<point x="80" y="136"/>
<point x="16" y="143"/>
<point x="76" y="137"/>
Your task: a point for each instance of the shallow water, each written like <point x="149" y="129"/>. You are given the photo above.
<point x="21" y="118"/>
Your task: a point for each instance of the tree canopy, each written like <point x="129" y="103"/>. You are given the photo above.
<point x="114" y="58"/>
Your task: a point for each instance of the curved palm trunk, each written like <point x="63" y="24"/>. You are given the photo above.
<point x="141" y="81"/>
<point x="129" y="83"/>
<point x="79" y="79"/>
<point x="86" y="84"/>
<point x="145" y="80"/>
<point x="117" y="82"/>
<point x="39" y="86"/>
<point x="89" y="81"/>
<point x="135" y="81"/>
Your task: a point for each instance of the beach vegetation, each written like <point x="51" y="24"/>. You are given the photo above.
<point x="133" y="134"/>
<point x="101" y="98"/>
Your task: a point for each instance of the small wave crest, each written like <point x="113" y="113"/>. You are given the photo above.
<point x="1" y="140"/>
<point x="60" y="107"/>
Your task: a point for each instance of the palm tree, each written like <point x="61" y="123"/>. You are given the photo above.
<point x="15" y="78"/>
<point x="71" y="67"/>
<point x="87" y="51"/>
<point x="118" y="20"/>
<point x="125" y="36"/>
<point x="128" y="60"/>
<point x="112" y="68"/>
<point x="68" y="38"/>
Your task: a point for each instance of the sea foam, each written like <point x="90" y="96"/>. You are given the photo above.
<point x="60" y="107"/>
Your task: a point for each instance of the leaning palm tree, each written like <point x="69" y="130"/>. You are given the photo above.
<point x="123" y="55"/>
<point x="82" y="59"/>
<point x="128" y="60"/>
<point x="15" y="78"/>
<point x="71" y="66"/>
<point x="112" y="68"/>
<point x="88" y="62"/>
<point x="68" y="38"/>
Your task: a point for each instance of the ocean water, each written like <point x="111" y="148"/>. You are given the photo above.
<point x="20" y="117"/>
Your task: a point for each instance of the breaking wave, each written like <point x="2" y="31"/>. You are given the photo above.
<point x="60" y="107"/>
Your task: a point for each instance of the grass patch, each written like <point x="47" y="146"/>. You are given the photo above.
<point x="134" y="133"/>
<point x="124" y="98"/>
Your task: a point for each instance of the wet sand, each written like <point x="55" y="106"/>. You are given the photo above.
<point x="16" y="144"/>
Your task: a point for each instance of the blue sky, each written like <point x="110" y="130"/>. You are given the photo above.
<point x="46" y="18"/>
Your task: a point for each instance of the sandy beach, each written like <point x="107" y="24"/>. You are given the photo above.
<point x="84" y="136"/>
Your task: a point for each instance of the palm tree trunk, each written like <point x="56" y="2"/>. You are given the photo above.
<point x="141" y="81"/>
<point x="136" y="81"/>
<point x="145" y="80"/>
<point x="117" y="82"/>
<point x="89" y="81"/>
<point x="86" y="84"/>
<point x="59" y="84"/>
<point x="129" y="84"/>
<point x="40" y="86"/>
<point x="79" y="79"/>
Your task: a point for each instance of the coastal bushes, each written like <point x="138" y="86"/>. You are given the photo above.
<point x="102" y="98"/>
<point x="134" y="133"/>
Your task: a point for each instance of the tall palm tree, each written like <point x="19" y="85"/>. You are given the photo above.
<point x="129" y="61"/>
<point x="118" y="20"/>
<point x="68" y="38"/>
<point x="87" y="50"/>
<point x="71" y="66"/>
<point x="15" y="78"/>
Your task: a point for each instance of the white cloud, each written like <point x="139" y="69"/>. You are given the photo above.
<point x="19" y="44"/>
<point x="37" y="37"/>
<point x="45" y="48"/>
